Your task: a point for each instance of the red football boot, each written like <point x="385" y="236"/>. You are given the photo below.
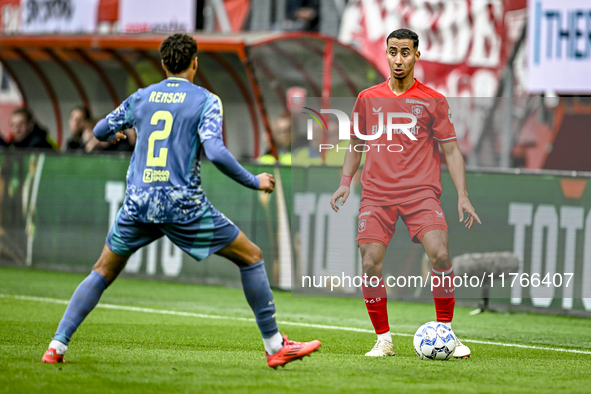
<point x="291" y="351"/>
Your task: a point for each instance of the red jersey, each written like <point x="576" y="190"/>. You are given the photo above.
<point x="400" y="169"/>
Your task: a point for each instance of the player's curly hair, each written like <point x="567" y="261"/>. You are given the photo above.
<point x="402" y="34"/>
<point x="177" y="52"/>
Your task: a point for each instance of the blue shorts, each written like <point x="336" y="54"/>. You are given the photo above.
<point x="200" y="238"/>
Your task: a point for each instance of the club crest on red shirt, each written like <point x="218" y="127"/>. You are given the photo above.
<point x="417" y="110"/>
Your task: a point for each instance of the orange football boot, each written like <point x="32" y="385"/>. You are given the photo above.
<point x="291" y="351"/>
<point x="51" y="357"/>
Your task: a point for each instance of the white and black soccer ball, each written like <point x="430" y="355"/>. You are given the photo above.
<point x="434" y="341"/>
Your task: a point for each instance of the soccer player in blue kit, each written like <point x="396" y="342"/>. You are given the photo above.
<point x="175" y="121"/>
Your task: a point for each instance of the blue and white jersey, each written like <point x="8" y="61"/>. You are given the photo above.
<point x="172" y="119"/>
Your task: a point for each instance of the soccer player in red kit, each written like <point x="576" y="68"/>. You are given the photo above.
<point x="401" y="178"/>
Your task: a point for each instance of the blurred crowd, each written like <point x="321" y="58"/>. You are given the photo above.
<point x="27" y="133"/>
<point x="283" y="15"/>
<point x="284" y="148"/>
<point x="292" y="146"/>
<point x="301" y="15"/>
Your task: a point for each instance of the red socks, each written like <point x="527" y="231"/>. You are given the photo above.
<point x="376" y="303"/>
<point x="444" y="294"/>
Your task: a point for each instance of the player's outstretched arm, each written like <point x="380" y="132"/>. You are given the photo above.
<point x="103" y="133"/>
<point x="352" y="161"/>
<point x="109" y="129"/>
<point x="220" y="156"/>
<point x="210" y="134"/>
<point x="457" y="170"/>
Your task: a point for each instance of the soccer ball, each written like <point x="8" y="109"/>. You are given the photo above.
<point x="434" y="341"/>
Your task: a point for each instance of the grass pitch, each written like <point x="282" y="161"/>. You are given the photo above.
<point x="140" y="351"/>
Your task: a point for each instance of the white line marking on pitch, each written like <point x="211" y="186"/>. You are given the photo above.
<point x="323" y="326"/>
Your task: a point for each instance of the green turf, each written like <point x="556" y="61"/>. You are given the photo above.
<point x="137" y="352"/>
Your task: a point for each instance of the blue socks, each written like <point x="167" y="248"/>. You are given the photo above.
<point x="260" y="298"/>
<point x="84" y="299"/>
<point x="254" y="282"/>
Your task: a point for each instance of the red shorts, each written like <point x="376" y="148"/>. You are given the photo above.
<point x="377" y="224"/>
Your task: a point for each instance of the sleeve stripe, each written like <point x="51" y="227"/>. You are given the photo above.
<point x="220" y="104"/>
<point x="445" y="139"/>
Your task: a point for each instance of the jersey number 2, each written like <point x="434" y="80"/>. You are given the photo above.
<point x="157" y="135"/>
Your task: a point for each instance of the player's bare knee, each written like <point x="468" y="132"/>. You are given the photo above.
<point x="109" y="264"/>
<point x="257" y="254"/>
<point x="101" y="266"/>
<point x="253" y="254"/>
<point x="107" y="272"/>
<point x="371" y="266"/>
<point x="440" y="259"/>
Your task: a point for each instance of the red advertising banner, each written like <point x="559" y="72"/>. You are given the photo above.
<point x="463" y="43"/>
